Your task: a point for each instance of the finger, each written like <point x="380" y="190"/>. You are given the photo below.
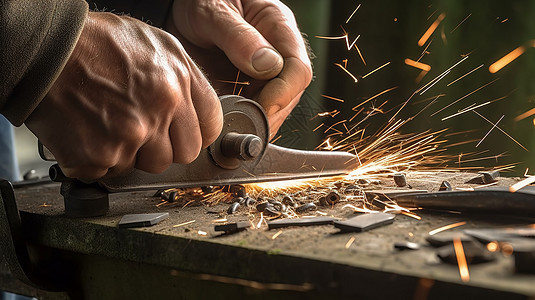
<point x="245" y="47"/>
<point x="279" y="92"/>
<point x="156" y="155"/>
<point x="276" y="120"/>
<point x="185" y="135"/>
<point x="207" y="107"/>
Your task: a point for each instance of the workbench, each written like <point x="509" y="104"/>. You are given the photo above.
<point x="95" y="259"/>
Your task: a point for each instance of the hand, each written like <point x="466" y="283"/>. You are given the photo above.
<point x="129" y="96"/>
<point x="259" y="37"/>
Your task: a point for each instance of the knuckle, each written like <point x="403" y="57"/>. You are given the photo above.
<point x="188" y="154"/>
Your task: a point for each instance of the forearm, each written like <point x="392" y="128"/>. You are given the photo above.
<point x="37" y="38"/>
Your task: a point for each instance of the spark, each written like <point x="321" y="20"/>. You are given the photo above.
<point x="276" y="139"/>
<point x="260" y="221"/>
<point x="376" y="70"/>
<point x="418" y="65"/>
<point x="529" y="113"/>
<point x="347" y="21"/>
<point x="184" y="224"/>
<point x="504" y="20"/>
<point x="236" y="82"/>
<point x="461" y="23"/>
<point x="465" y="75"/>
<point x="443" y="228"/>
<point x="276" y="234"/>
<point x="493" y="126"/>
<point x="344" y="37"/>
<point x="328" y="147"/>
<point x="350" y="242"/>
<point x="435" y="82"/>
<point x="345" y="70"/>
<point x="521" y="184"/>
<point x="504" y="61"/>
<point x="442" y="74"/>
<point x="466" y="96"/>
<point x="333" y="98"/>
<point x="471" y="107"/>
<point x="331" y="114"/>
<point x="358" y="209"/>
<point x="431" y="29"/>
<point x="461" y="260"/>
<point x="202" y="233"/>
<point x="509" y="136"/>
<point x="412" y="215"/>
<point x="375" y="96"/>
<point x="319" y="126"/>
<point x="332" y="126"/>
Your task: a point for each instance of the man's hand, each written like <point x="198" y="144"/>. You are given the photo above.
<point x="128" y="97"/>
<point x="259" y="37"/>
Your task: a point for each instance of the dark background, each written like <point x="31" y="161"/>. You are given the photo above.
<point x="389" y="31"/>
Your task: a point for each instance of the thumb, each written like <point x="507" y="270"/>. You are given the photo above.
<point x="246" y="48"/>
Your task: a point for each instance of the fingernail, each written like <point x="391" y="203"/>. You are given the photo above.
<point x="266" y="59"/>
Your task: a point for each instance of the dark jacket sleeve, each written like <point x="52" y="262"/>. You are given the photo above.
<point x="36" y="39"/>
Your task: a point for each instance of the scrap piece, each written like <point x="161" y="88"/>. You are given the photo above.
<point x="400" y="179"/>
<point x="405" y="245"/>
<point x="142" y="220"/>
<point x="300" y="222"/>
<point x="447" y="237"/>
<point x="445" y="186"/>
<point x="365" y="222"/>
<point x="474" y="252"/>
<point x="233" y="227"/>
<point x="485" y="177"/>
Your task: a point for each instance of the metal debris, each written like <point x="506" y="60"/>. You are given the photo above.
<point x="233" y="207"/>
<point x="400" y="179"/>
<point x="445" y="186"/>
<point x="233" y="227"/>
<point x="485" y="177"/>
<point x="142" y="220"/>
<point x="365" y="222"/>
<point x="300" y="222"/>
<point x="30" y="175"/>
<point x="305" y="207"/>
<point x="405" y="245"/>
<point x="172" y="196"/>
<point x="238" y="190"/>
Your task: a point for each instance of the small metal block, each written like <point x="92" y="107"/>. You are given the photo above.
<point x="405" y="245"/>
<point x="249" y="201"/>
<point x="445" y="186"/>
<point x="365" y="222"/>
<point x="233" y="207"/>
<point x="332" y="198"/>
<point x="172" y="197"/>
<point x="142" y="220"/>
<point x="300" y="222"/>
<point x="159" y="194"/>
<point x="233" y="227"/>
<point x="489" y="177"/>
<point x="306" y="207"/>
<point x="400" y="179"/>
<point x="238" y="190"/>
<point x="263" y="206"/>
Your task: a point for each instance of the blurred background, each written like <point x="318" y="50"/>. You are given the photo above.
<point x="389" y="31"/>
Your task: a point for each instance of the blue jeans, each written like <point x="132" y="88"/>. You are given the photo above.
<point x="9" y="168"/>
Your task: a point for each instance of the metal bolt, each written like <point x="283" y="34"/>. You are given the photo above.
<point x="400" y="179"/>
<point x="241" y="146"/>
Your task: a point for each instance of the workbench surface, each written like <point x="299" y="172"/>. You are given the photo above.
<point x="311" y="262"/>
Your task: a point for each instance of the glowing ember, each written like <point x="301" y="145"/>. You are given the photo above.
<point x="504" y="61"/>
<point x="350" y="242"/>
<point x="443" y="228"/>
<point x="431" y="29"/>
<point x="418" y="65"/>
<point x="461" y="260"/>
